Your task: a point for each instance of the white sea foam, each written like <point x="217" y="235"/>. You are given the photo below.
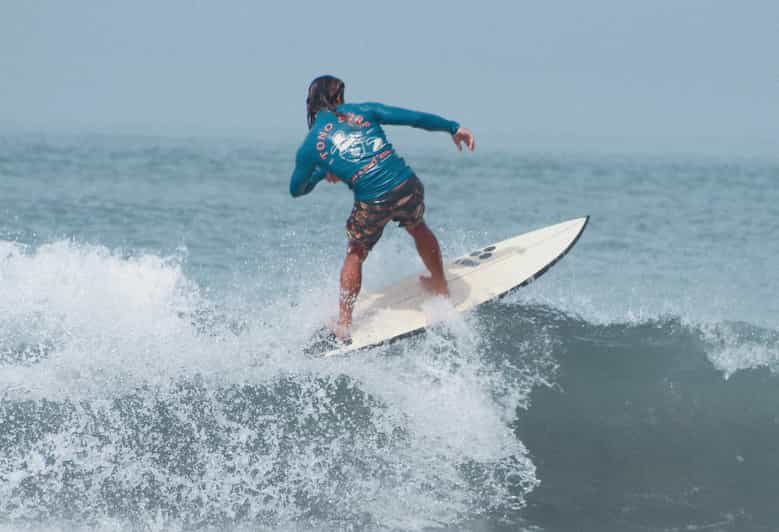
<point x="739" y="346"/>
<point x="153" y="381"/>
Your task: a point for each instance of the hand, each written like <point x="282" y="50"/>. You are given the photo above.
<point x="331" y="177"/>
<point x="464" y="134"/>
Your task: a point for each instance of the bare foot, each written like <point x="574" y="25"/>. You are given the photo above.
<point x="341" y="331"/>
<point x="439" y="288"/>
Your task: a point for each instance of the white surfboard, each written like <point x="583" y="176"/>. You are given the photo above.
<point x="396" y="310"/>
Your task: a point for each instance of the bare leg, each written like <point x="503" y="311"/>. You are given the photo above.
<point x="351" y="281"/>
<point x="430" y="253"/>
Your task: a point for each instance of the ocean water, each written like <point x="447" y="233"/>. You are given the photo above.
<point x="155" y="295"/>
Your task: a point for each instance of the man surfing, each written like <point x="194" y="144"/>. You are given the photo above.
<point x="347" y="143"/>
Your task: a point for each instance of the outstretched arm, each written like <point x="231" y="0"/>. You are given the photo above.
<point x="386" y="114"/>
<point x="399" y="116"/>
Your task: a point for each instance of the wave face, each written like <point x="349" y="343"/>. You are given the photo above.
<point x="641" y="431"/>
<point x="155" y="296"/>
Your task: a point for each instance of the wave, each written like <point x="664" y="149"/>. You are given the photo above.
<point x="127" y="395"/>
<point x="130" y="397"/>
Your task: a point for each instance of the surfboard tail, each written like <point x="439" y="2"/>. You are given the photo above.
<point x="324" y="341"/>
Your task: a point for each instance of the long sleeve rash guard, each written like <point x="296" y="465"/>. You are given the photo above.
<point x="351" y="144"/>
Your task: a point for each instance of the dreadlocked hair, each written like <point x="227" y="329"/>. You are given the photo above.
<point x="323" y="93"/>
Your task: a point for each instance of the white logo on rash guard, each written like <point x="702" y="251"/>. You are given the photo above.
<point x="354" y="147"/>
<point x="350" y="147"/>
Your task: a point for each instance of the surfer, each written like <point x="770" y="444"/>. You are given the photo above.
<point x="346" y="143"/>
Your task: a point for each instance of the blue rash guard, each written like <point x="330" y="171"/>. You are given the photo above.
<point x="351" y="144"/>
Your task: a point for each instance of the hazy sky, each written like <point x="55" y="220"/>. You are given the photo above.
<point x="681" y="75"/>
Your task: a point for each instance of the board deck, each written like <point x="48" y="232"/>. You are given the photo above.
<point x="396" y="310"/>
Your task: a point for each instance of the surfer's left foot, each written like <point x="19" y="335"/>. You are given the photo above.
<point x="437" y="287"/>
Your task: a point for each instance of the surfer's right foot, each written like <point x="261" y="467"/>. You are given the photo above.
<point x="325" y="340"/>
<point x="341" y="332"/>
<point x="435" y="286"/>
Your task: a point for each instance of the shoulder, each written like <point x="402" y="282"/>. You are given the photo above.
<point x="361" y="107"/>
<point x="372" y="111"/>
<point x="348" y="107"/>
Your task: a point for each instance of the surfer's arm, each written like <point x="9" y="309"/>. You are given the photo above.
<point x="398" y="116"/>
<point x="306" y="174"/>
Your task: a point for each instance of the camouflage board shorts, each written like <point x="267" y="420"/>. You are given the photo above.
<point x="404" y="204"/>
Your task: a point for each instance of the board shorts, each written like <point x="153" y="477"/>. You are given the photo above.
<point x="404" y="204"/>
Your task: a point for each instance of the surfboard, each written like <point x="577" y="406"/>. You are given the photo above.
<point x="490" y="272"/>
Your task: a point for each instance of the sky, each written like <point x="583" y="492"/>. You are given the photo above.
<point x="660" y="75"/>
